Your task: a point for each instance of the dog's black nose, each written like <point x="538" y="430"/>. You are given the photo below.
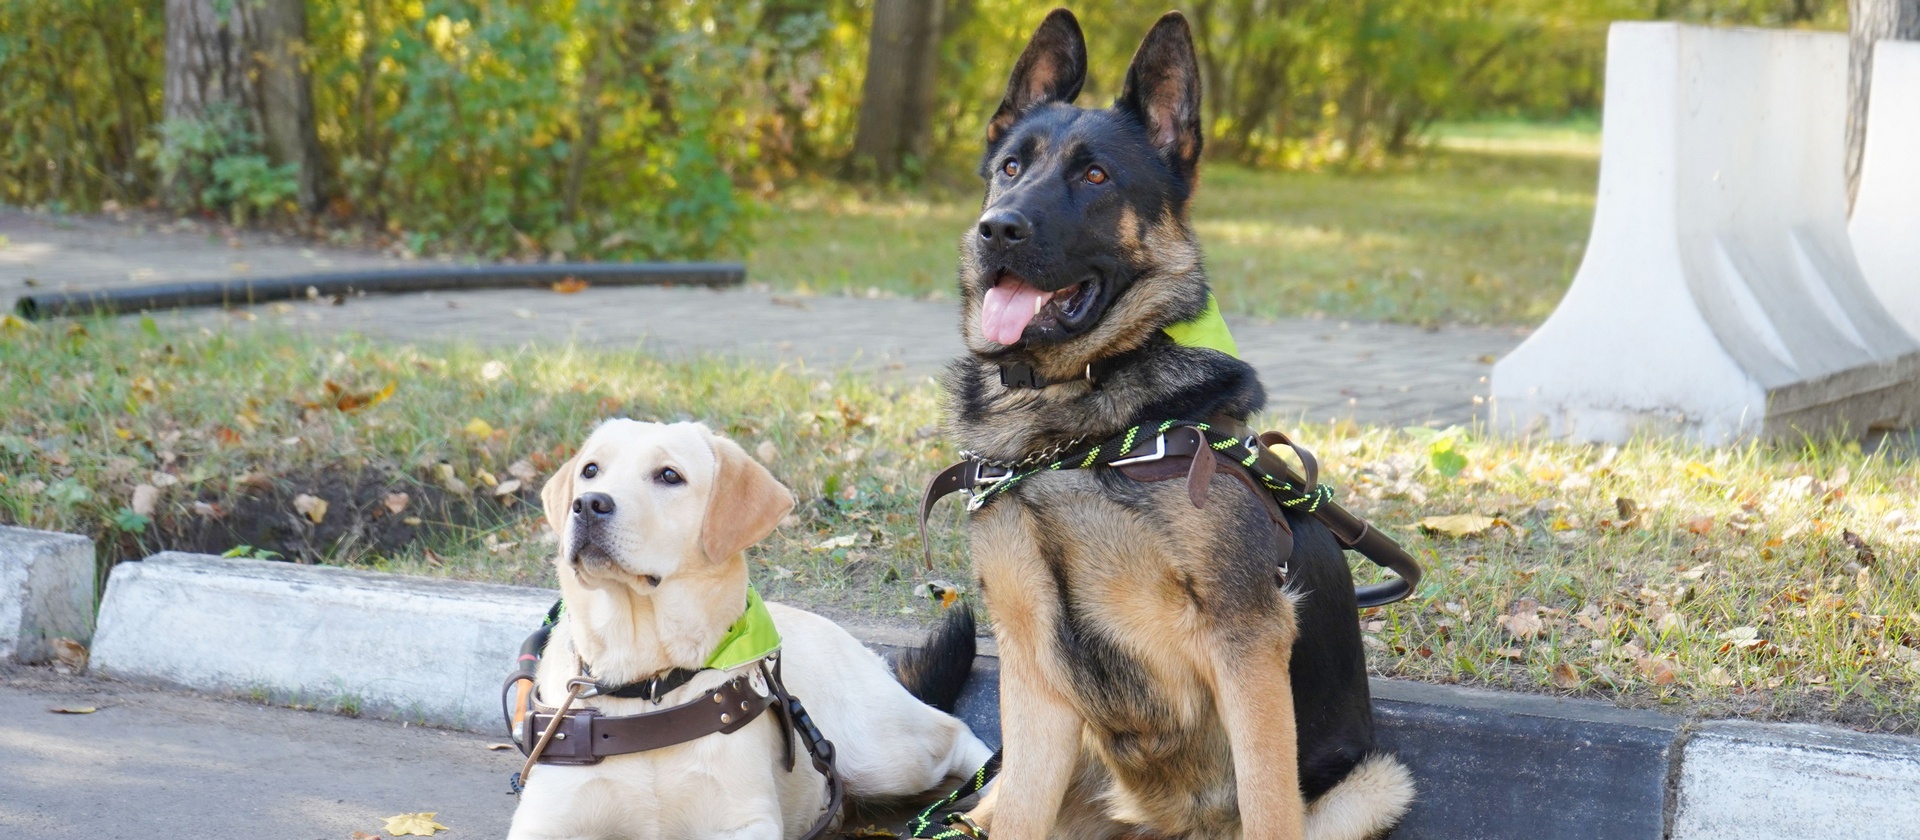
<point x="1005" y="226"/>
<point x="595" y="504"/>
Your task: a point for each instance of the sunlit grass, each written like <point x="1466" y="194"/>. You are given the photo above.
<point x="1657" y="573"/>
<point x="1486" y="236"/>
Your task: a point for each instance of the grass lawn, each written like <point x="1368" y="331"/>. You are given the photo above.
<point x="1765" y="582"/>
<point x="1485" y="228"/>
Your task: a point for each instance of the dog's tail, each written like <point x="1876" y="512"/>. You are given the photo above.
<point x="936" y="671"/>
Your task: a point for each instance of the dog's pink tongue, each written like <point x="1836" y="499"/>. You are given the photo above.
<point x="1009" y="306"/>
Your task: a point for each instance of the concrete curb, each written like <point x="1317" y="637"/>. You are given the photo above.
<point x="46" y="592"/>
<point x="419" y="649"/>
<point x="1489" y="764"/>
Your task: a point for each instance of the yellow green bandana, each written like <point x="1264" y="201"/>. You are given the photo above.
<point x="749" y="639"/>
<point x="1207" y="330"/>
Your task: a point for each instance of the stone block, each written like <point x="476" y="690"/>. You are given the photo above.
<point x="46" y="592"/>
<point x="421" y="649"/>
<point x="1885" y="226"/>
<point x="1787" y="782"/>
<point x="1719" y="298"/>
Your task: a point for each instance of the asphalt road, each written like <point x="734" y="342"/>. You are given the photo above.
<point x="154" y="764"/>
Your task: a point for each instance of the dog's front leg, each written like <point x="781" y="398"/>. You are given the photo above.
<point x="1255" y="700"/>
<point x="1041" y="732"/>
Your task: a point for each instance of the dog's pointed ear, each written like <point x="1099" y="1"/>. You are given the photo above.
<point x="556" y="496"/>
<point x="1163" y="90"/>
<point x="1051" y="69"/>
<point x="746" y="505"/>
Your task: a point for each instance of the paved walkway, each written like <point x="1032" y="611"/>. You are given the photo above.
<point x="157" y="763"/>
<point x="1314" y="369"/>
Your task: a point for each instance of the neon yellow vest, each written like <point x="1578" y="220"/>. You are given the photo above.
<point x="1207" y="330"/>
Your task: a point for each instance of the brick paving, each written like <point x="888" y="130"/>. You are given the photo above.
<point x="1316" y="370"/>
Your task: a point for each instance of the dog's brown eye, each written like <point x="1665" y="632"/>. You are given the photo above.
<point x="669" y="476"/>
<point x="1011" y="167"/>
<point x="1096" y="175"/>
<point x="589" y="470"/>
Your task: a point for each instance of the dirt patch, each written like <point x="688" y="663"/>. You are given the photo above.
<point x="364" y="515"/>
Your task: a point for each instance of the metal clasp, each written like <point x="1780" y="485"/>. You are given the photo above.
<point x="981" y="476"/>
<point x="1159" y="451"/>
<point x="586" y="685"/>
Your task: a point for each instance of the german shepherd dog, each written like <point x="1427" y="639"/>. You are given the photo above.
<point x="1157" y="681"/>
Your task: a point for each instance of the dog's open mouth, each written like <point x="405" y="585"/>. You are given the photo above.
<point x="1012" y="305"/>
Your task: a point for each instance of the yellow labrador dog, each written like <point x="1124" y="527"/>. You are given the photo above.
<point x="652" y="520"/>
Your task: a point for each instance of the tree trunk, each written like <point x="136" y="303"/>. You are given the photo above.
<point x="1871" y="21"/>
<point x="247" y="54"/>
<point x="896" y="103"/>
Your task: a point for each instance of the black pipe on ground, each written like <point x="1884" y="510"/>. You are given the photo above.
<point x="229" y="293"/>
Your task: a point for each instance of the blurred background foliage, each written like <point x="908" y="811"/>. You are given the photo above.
<point x="651" y="128"/>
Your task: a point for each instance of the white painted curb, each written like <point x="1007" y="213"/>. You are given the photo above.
<point x="1766" y="781"/>
<point x="1886" y="214"/>
<point x="421" y="649"/>
<point x="1719" y="298"/>
<point x="46" y="592"/>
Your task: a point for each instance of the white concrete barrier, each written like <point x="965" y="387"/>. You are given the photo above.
<point x="1766" y="781"/>
<point x="434" y="651"/>
<point x="1886" y="213"/>
<point x="46" y="592"/>
<point x="1719" y="297"/>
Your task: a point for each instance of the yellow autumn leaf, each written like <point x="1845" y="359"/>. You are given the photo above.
<point x="420" y="824"/>
<point x="313" y="508"/>
<point x="1702" y="472"/>
<point x="479" y="428"/>
<point x="1458" y="525"/>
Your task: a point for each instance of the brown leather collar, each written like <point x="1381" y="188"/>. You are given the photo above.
<point x="586" y="736"/>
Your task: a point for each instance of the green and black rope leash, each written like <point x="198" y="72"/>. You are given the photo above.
<point x="954" y="824"/>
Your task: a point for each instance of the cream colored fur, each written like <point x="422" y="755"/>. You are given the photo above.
<point x="689" y="537"/>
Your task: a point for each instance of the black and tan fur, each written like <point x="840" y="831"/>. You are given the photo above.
<point x="1156" y="681"/>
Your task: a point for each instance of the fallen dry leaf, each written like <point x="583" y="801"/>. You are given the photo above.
<point x="832" y="543"/>
<point x="420" y="824"/>
<point x="147" y="496"/>
<point x="766" y="452"/>
<point x="571" y="285"/>
<point x="350" y="401"/>
<point x="1458" y="525"/>
<point x="396" y="502"/>
<point x="1524" y="626"/>
<point x="1660" y="671"/>
<point x="361" y="835"/>
<point x="1510" y="654"/>
<point x="73" y="710"/>
<point x="938" y="590"/>
<point x="1564" y="676"/>
<point x="1629" y="511"/>
<point x="507" y="488"/>
<point x="313" y="508"/>
<point x="1700" y="524"/>
<point x="444" y="472"/>
<point x="1862" y="552"/>
<point x="499" y="747"/>
<point x="478" y="428"/>
<point x="523" y="470"/>
<point x="70" y="657"/>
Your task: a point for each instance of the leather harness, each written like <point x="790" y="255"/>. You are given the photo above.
<point x="1173" y="451"/>
<point x="584" y="736"/>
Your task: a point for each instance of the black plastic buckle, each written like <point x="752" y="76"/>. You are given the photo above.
<point x="1021" y="375"/>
